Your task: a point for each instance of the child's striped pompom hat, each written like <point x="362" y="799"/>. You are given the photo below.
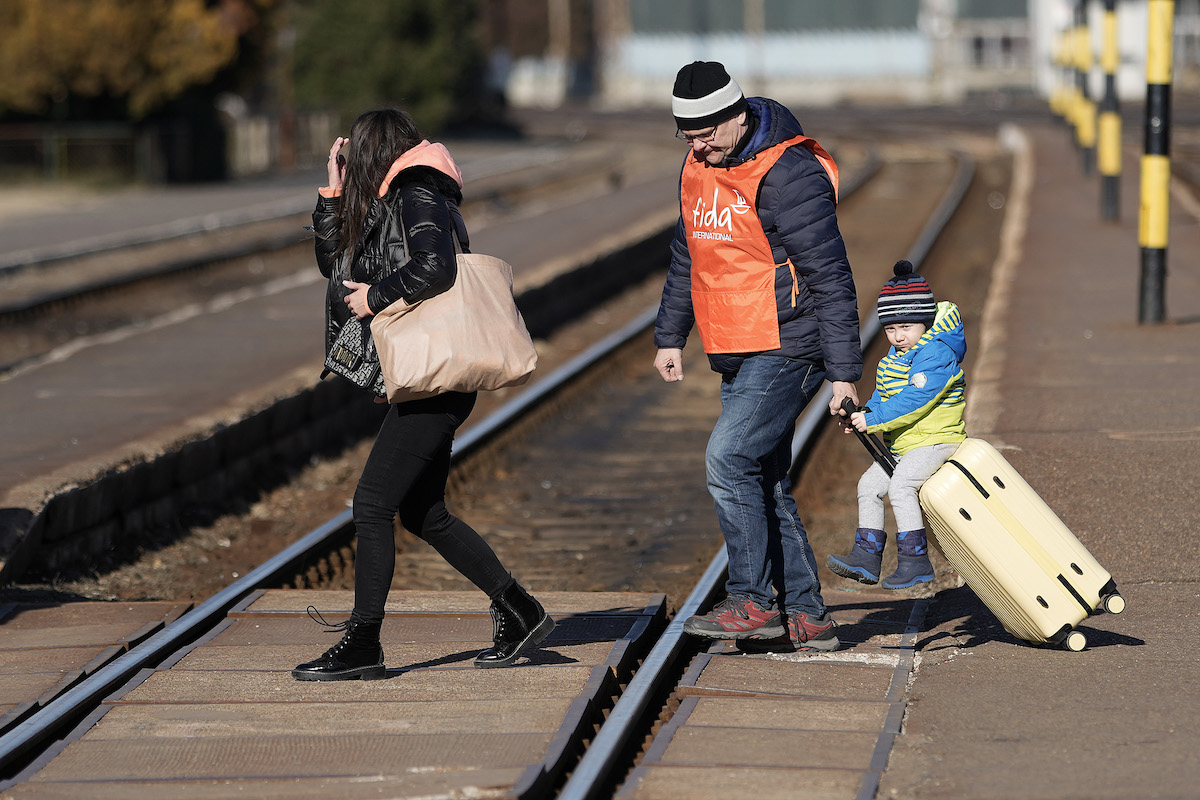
<point x="906" y="297"/>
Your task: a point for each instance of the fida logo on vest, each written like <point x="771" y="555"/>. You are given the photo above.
<point x="715" y="217"/>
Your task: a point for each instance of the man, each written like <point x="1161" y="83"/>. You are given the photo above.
<point x="759" y="266"/>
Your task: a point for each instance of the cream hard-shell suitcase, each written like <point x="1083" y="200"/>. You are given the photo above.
<point x="1013" y="550"/>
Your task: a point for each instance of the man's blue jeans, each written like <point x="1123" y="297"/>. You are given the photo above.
<point x="747" y="460"/>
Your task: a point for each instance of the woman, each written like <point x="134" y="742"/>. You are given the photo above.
<point x="385" y="231"/>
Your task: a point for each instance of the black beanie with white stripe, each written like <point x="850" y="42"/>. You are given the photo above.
<point x="704" y="96"/>
<point x="906" y="297"/>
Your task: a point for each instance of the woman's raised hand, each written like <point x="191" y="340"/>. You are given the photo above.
<point x="337" y="163"/>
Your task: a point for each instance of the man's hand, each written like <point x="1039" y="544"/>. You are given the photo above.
<point x="842" y="390"/>
<point x="669" y="363"/>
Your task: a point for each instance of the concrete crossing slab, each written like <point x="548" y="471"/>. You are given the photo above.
<point x="342" y="602"/>
<point x="306" y="755"/>
<point x="418" y="627"/>
<point x="474" y="783"/>
<point x="406" y="657"/>
<point x="216" y="720"/>
<point x="751" y="676"/>
<point x="188" y="686"/>
<point x="702" y="746"/>
<point x="769" y="713"/>
<point x="721" y="783"/>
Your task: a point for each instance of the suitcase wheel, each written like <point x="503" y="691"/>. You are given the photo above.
<point x="1113" y="603"/>
<point x="1075" y="641"/>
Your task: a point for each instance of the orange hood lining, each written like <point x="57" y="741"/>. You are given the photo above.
<point x="426" y="154"/>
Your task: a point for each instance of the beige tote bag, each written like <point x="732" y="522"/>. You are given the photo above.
<point x="468" y="338"/>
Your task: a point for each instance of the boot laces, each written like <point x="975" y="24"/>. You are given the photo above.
<point x="498" y="621"/>
<point x="345" y="627"/>
<point x="507" y="620"/>
<point x="330" y="627"/>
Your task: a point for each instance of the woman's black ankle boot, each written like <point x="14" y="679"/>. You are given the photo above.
<point x="518" y="623"/>
<point x="357" y="655"/>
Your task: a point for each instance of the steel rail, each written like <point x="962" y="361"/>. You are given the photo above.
<point x="598" y="761"/>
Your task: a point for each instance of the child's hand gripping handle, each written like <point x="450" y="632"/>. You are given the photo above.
<point x="878" y="450"/>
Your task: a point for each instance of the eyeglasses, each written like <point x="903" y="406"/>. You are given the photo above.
<point x="705" y="137"/>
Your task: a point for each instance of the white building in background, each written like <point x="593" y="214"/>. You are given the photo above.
<point x="817" y="51"/>
<point x="830" y="51"/>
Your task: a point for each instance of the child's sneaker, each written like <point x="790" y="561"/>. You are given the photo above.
<point x="802" y="634"/>
<point x="910" y="570"/>
<point x="736" y="618"/>
<point x="857" y="565"/>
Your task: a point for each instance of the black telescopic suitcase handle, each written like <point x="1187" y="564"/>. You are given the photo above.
<point x="878" y="450"/>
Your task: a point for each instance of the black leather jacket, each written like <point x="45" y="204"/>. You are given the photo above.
<point x="406" y="250"/>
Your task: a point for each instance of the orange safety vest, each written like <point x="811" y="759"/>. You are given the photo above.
<point x="733" y="268"/>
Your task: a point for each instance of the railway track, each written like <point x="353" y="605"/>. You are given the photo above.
<point x="603" y="407"/>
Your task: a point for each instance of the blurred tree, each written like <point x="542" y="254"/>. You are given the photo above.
<point x="145" y="52"/>
<point x="353" y="55"/>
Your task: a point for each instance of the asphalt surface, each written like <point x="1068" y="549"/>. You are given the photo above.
<point x="1097" y="412"/>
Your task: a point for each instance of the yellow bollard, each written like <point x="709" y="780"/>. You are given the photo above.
<point x="1085" y="110"/>
<point x="1154" y="207"/>
<point x="1109" y="148"/>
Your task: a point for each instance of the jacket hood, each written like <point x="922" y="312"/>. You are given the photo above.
<point x="775" y="124"/>
<point x="426" y="154"/>
<point x="948" y="329"/>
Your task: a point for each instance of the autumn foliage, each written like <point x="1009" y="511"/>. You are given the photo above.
<point x="144" y="51"/>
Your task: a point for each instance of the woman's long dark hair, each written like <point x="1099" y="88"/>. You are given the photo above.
<point x="377" y="139"/>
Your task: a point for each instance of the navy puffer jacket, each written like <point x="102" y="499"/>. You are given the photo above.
<point x="796" y="207"/>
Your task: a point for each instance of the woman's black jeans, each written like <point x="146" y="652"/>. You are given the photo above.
<point x="406" y="473"/>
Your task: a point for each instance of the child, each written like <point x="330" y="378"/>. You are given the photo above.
<point x="918" y="407"/>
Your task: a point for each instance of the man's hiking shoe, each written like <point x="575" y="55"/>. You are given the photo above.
<point x="802" y="634"/>
<point x="736" y="618"/>
<point x="910" y="570"/>
<point x="857" y="565"/>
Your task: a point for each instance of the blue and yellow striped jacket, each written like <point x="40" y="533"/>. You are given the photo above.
<point x="919" y="394"/>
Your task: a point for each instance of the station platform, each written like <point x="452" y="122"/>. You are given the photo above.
<point x="1099" y="414"/>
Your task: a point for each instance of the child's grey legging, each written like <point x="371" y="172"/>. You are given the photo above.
<point x="901" y="488"/>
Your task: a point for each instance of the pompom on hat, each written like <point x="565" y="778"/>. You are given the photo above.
<point x="704" y="96"/>
<point x="906" y="298"/>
